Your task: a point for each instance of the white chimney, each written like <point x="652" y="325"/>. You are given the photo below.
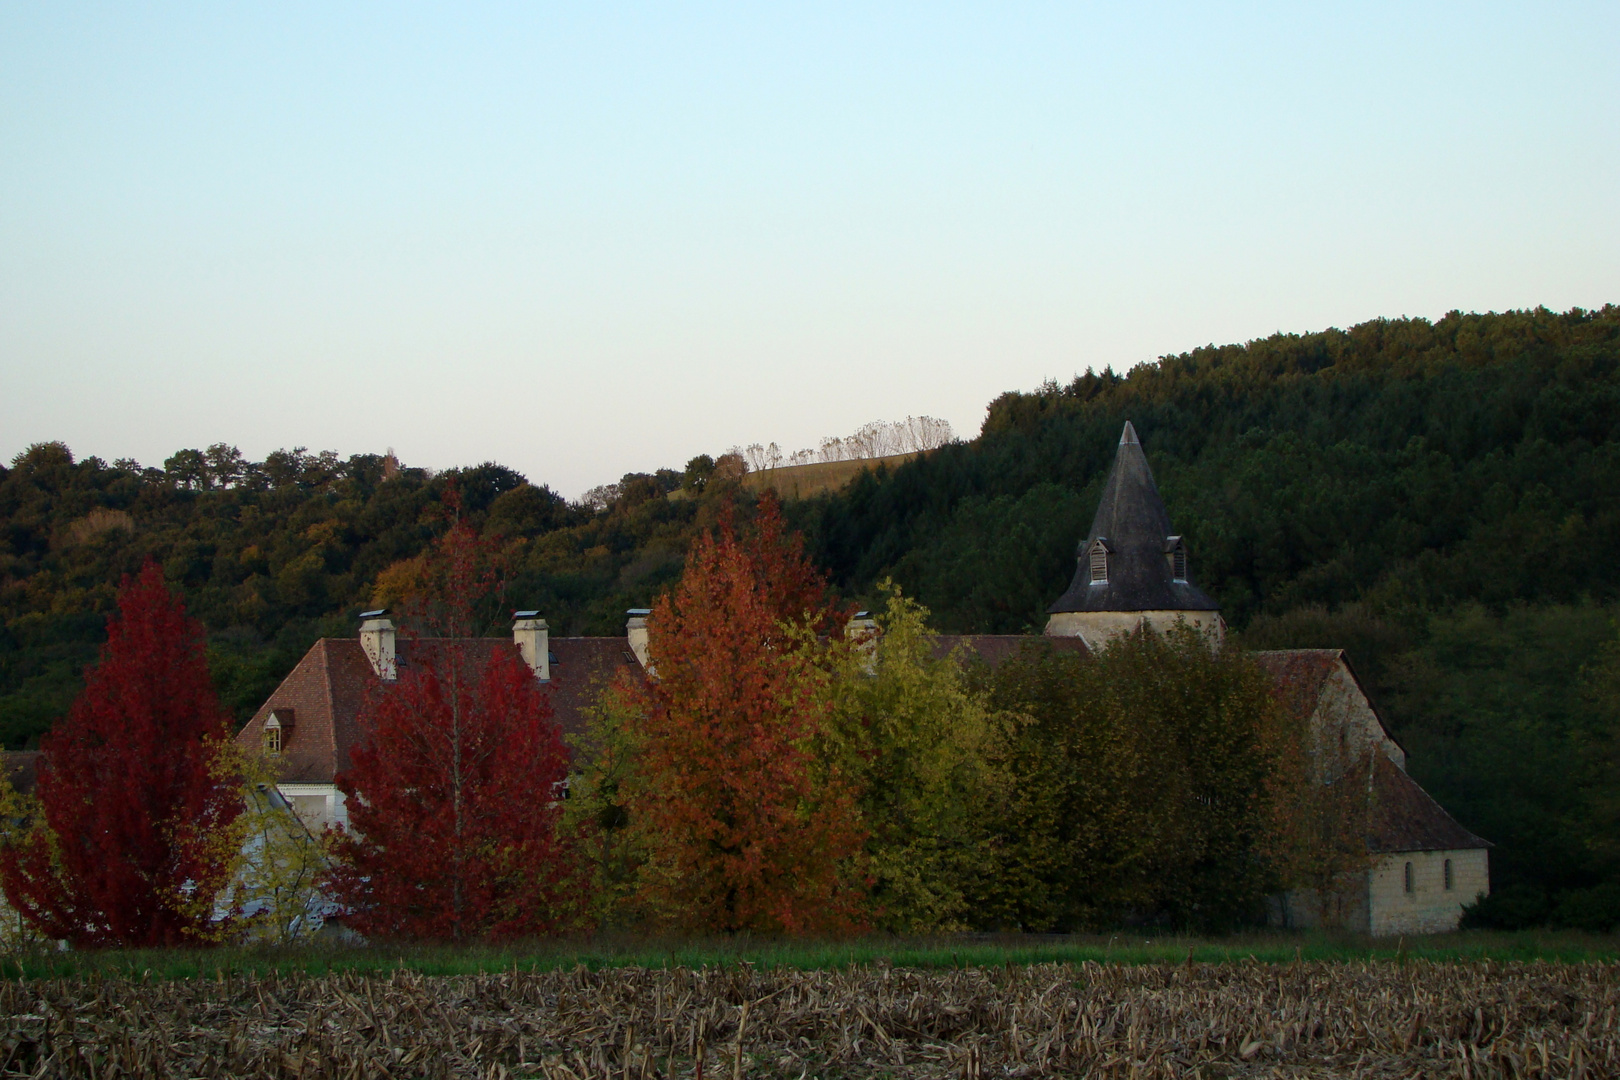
<point x="636" y="630"/>
<point x="862" y="629"/>
<point x="533" y="638"/>
<point x="377" y="639"/>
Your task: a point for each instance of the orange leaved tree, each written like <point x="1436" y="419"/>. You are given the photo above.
<point x="130" y="792"/>
<point x="744" y="820"/>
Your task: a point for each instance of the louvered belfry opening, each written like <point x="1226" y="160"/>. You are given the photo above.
<point x="1133" y="560"/>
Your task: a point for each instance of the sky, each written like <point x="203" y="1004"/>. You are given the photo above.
<point x="587" y="239"/>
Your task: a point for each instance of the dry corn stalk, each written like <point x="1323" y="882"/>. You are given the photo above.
<point x="1301" y="1020"/>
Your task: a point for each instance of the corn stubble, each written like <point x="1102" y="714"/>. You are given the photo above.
<point x="1302" y="1020"/>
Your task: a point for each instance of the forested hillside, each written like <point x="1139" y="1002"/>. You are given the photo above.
<point x="1441" y="499"/>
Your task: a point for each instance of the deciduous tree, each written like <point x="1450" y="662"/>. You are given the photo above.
<point x="916" y="738"/>
<point x="746" y="820"/>
<point x="128" y="791"/>
<point x="454" y="790"/>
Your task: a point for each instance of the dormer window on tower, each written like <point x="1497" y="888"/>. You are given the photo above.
<point x="1175" y="549"/>
<point x="1098" y="554"/>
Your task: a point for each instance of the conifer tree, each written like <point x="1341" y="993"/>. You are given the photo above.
<point x="128" y="793"/>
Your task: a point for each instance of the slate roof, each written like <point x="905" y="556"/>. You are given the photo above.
<point x="1132" y="520"/>
<point x="325" y="690"/>
<point x="1405" y="818"/>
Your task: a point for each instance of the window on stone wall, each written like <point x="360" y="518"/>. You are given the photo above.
<point x="1408" y="877"/>
<point x="1448" y="875"/>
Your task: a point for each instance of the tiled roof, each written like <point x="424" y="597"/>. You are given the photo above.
<point x="22" y="770"/>
<point x="1405" y="818"/>
<point x="993" y="649"/>
<point x="325" y="691"/>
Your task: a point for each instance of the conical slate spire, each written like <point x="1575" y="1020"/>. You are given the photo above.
<point x="1138" y="543"/>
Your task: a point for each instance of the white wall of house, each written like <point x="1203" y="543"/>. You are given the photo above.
<point x="1417" y="901"/>
<point x="317" y="805"/>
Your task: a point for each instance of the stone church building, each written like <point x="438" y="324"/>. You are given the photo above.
<point x="1133" y="569"/>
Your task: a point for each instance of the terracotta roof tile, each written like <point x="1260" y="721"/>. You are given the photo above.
<point x="1405" y="818"/>
<point x="995" y="649"/>
<point x="22" y="770"/>
<point x="328" y="686"/>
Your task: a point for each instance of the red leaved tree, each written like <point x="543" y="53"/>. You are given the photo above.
<point x="453" y="790"/>
<point x="745" y="824"/>
<point x="130" y="789"/>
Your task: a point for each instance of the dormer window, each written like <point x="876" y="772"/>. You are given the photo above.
<point x="1176" y="551"/>
<point x="277" y="727"/>
<point x="1099" y="561"/>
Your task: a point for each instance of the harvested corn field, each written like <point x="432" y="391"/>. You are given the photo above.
<point x="1301" y="1020"/>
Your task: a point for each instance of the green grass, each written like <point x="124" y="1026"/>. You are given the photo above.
<point x="975" y="951"/>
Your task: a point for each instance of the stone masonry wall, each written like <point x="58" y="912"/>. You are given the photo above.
<point x="1430" y="908"/>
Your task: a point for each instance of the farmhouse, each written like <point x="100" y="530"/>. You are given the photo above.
<point x="1133" y="570"/>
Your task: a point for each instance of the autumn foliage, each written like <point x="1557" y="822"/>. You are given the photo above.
<point x="128" y="790"/>
<point x="453" y="792"/>
<point x="744" y="823"/>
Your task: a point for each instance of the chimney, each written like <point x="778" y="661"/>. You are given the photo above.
<point x="377" y="639"/>
<point x="636" y="630"/>
<point x="533" y="638"/>
<point x="862" y="629"/>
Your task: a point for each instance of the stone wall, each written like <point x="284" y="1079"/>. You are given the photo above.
<point x="1429" y="908"/>
<point x="1095" y="628"/>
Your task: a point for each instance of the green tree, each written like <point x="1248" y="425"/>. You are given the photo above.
<point x="1146" y="781"/>
<point x="915" y="739"/>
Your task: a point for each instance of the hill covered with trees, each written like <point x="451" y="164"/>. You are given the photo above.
<point x="1442" y="499"/>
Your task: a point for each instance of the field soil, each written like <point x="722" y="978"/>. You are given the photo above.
<point x="1228" y="1020"/>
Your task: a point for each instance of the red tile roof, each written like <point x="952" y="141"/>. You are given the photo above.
<point x="325" y="692"/>
<point x="994" y="649"/>
<point x="1405" y="818"/>
<point x="21" y="768"/>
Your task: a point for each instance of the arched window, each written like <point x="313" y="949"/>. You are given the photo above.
<point x="272" y="736"/>
<point x="1409" y="882"/>
<point x="1099" y="562"/>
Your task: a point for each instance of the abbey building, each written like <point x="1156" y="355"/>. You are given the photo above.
<point x="1133" y="569"/>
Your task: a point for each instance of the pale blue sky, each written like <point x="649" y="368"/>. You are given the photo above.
<point x="585" y="239"/>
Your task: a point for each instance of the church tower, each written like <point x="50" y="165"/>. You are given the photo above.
<point x="1133" y="568"/>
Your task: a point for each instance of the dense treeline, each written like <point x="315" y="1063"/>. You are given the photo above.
<point x="1442" y="499"/>
<point x="271" y="555"/>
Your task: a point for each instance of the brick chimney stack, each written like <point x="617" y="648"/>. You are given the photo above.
<point x="377" y="639"/>
<point x="533" y="638"/>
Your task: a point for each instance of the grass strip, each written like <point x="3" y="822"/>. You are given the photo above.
<point x="975" y="951"/>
